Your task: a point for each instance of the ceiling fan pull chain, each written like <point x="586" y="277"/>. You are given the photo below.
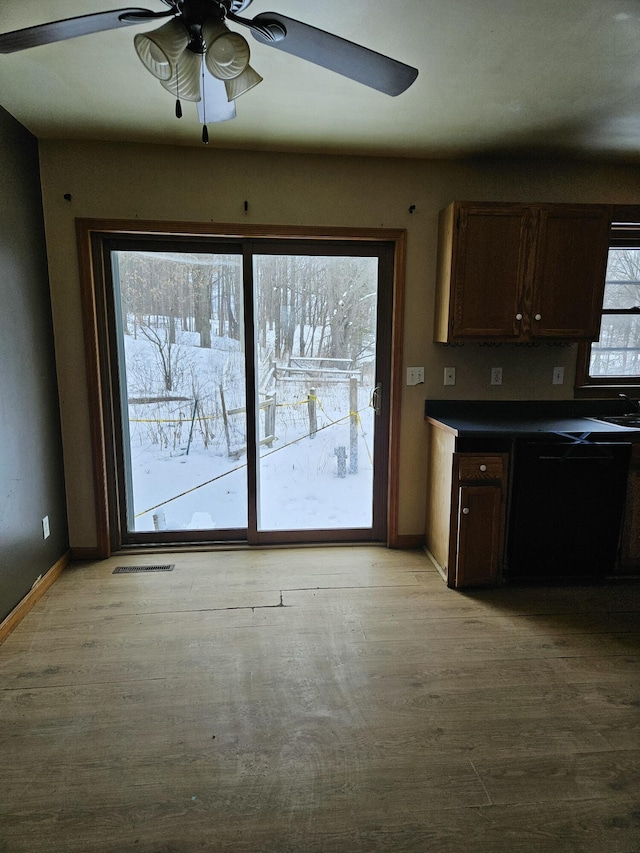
<point x="205" y="131"/>
<point x="178" y="104"/>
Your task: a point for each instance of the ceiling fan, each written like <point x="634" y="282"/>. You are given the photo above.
<point x="196" y="57"/>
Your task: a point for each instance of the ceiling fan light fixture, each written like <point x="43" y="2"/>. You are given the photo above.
<point x="226" y="54"/>
<point x="160" y="50"/>
<point x="185" y="81"/>
<point x="214" y="106"/>
<point x="242" y="83"/>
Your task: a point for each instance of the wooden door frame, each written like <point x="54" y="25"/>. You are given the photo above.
<point x="88" y="231"/>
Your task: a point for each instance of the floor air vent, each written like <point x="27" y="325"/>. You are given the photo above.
<point x="122" y="570"/>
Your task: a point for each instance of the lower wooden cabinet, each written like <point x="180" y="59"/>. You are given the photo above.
<point x="478" y="518"/>
<point x="466" y="513"/>
<point x="629" y="559"/>
<point x="479" y="535"/>
<point x="468" y="488"/>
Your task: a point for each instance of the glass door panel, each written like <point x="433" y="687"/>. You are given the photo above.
<point x="315" y="351"/>
<point x="244" y="375"/>
<point x="180" y="341"/>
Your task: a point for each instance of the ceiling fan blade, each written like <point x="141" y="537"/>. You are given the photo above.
<point x="337" y="54"/>
<point x="71" y="27"/>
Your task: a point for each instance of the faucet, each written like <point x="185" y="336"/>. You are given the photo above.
<point x="635" y="404"/>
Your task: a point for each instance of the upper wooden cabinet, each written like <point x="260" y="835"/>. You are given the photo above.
<point x="516" y="272"/>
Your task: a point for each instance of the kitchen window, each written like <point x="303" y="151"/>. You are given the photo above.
<point x="612" y="363"/>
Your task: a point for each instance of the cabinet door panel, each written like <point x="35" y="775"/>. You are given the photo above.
<point x="629" y="557"/>
<point x="490" y="269"/>
<point x="570" y="267"/>
<point x="479" y="535"/>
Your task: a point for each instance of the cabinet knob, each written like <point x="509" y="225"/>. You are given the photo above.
<point x="465" y="511"/>
<point x="483" y="467"/>
<point x="518" y="316"/>
<point x="538" y="317"/>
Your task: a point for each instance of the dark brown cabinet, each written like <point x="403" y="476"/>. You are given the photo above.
<point x="479" y="535"/>
<point x="629" y="561"/>
<point x="479" y="513"/>
<point x="466" y="512"/>
<point x="517" y="272"/>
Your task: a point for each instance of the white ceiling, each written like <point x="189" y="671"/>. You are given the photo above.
<point x="497" y="77"/>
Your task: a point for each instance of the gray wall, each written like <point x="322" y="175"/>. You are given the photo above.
<point x="31" y="468"/>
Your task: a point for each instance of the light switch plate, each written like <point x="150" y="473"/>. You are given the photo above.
<point x="558" y="376"/>
<point x="449" y="376"/>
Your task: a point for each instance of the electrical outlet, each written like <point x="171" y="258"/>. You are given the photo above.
<point x="496" y="376"/>
<point x="46" y="530"/>
<point x="415" y="375"/>
<point x="449" y="376"/>
<point x="558" y="376"/>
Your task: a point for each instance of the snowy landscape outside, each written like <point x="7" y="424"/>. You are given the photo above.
<point x="183" y="386"/>
<point x="616" y="352"/>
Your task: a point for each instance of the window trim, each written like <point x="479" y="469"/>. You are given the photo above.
<point x="625" y="232"/>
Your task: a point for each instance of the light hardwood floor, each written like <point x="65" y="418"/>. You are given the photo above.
<point x="329" y="699"/>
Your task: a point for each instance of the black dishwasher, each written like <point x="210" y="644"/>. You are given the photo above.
<point x="566" y="509"/>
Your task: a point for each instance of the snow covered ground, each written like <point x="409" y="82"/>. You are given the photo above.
<point x="206" y="489"/>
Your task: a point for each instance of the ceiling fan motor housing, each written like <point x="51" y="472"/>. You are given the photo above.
<point x="198" y="11"/>
<point x="195" y="13"/>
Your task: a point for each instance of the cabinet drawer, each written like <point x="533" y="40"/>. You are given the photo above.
<point x="480" y="467"/>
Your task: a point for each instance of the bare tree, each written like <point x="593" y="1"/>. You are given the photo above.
<point x="617" y="352"/>
<point x="170" y="357"/>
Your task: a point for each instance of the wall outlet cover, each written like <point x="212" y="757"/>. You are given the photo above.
<point x="415" y="375"/>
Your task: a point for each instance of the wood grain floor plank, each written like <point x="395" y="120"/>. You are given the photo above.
<point x="581" y="776"/>
<point x="586" y="826"/>
<point x="333" y="699"/>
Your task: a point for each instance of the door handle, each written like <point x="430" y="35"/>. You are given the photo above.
<point x="376" y="398"/>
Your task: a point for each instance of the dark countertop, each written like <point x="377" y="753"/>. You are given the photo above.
<point x="519" y="419"/>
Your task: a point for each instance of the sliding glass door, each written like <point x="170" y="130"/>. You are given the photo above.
<point x="248" y="389"/>
<point x="181" y="362"/>
<point x="316" y="369"/>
